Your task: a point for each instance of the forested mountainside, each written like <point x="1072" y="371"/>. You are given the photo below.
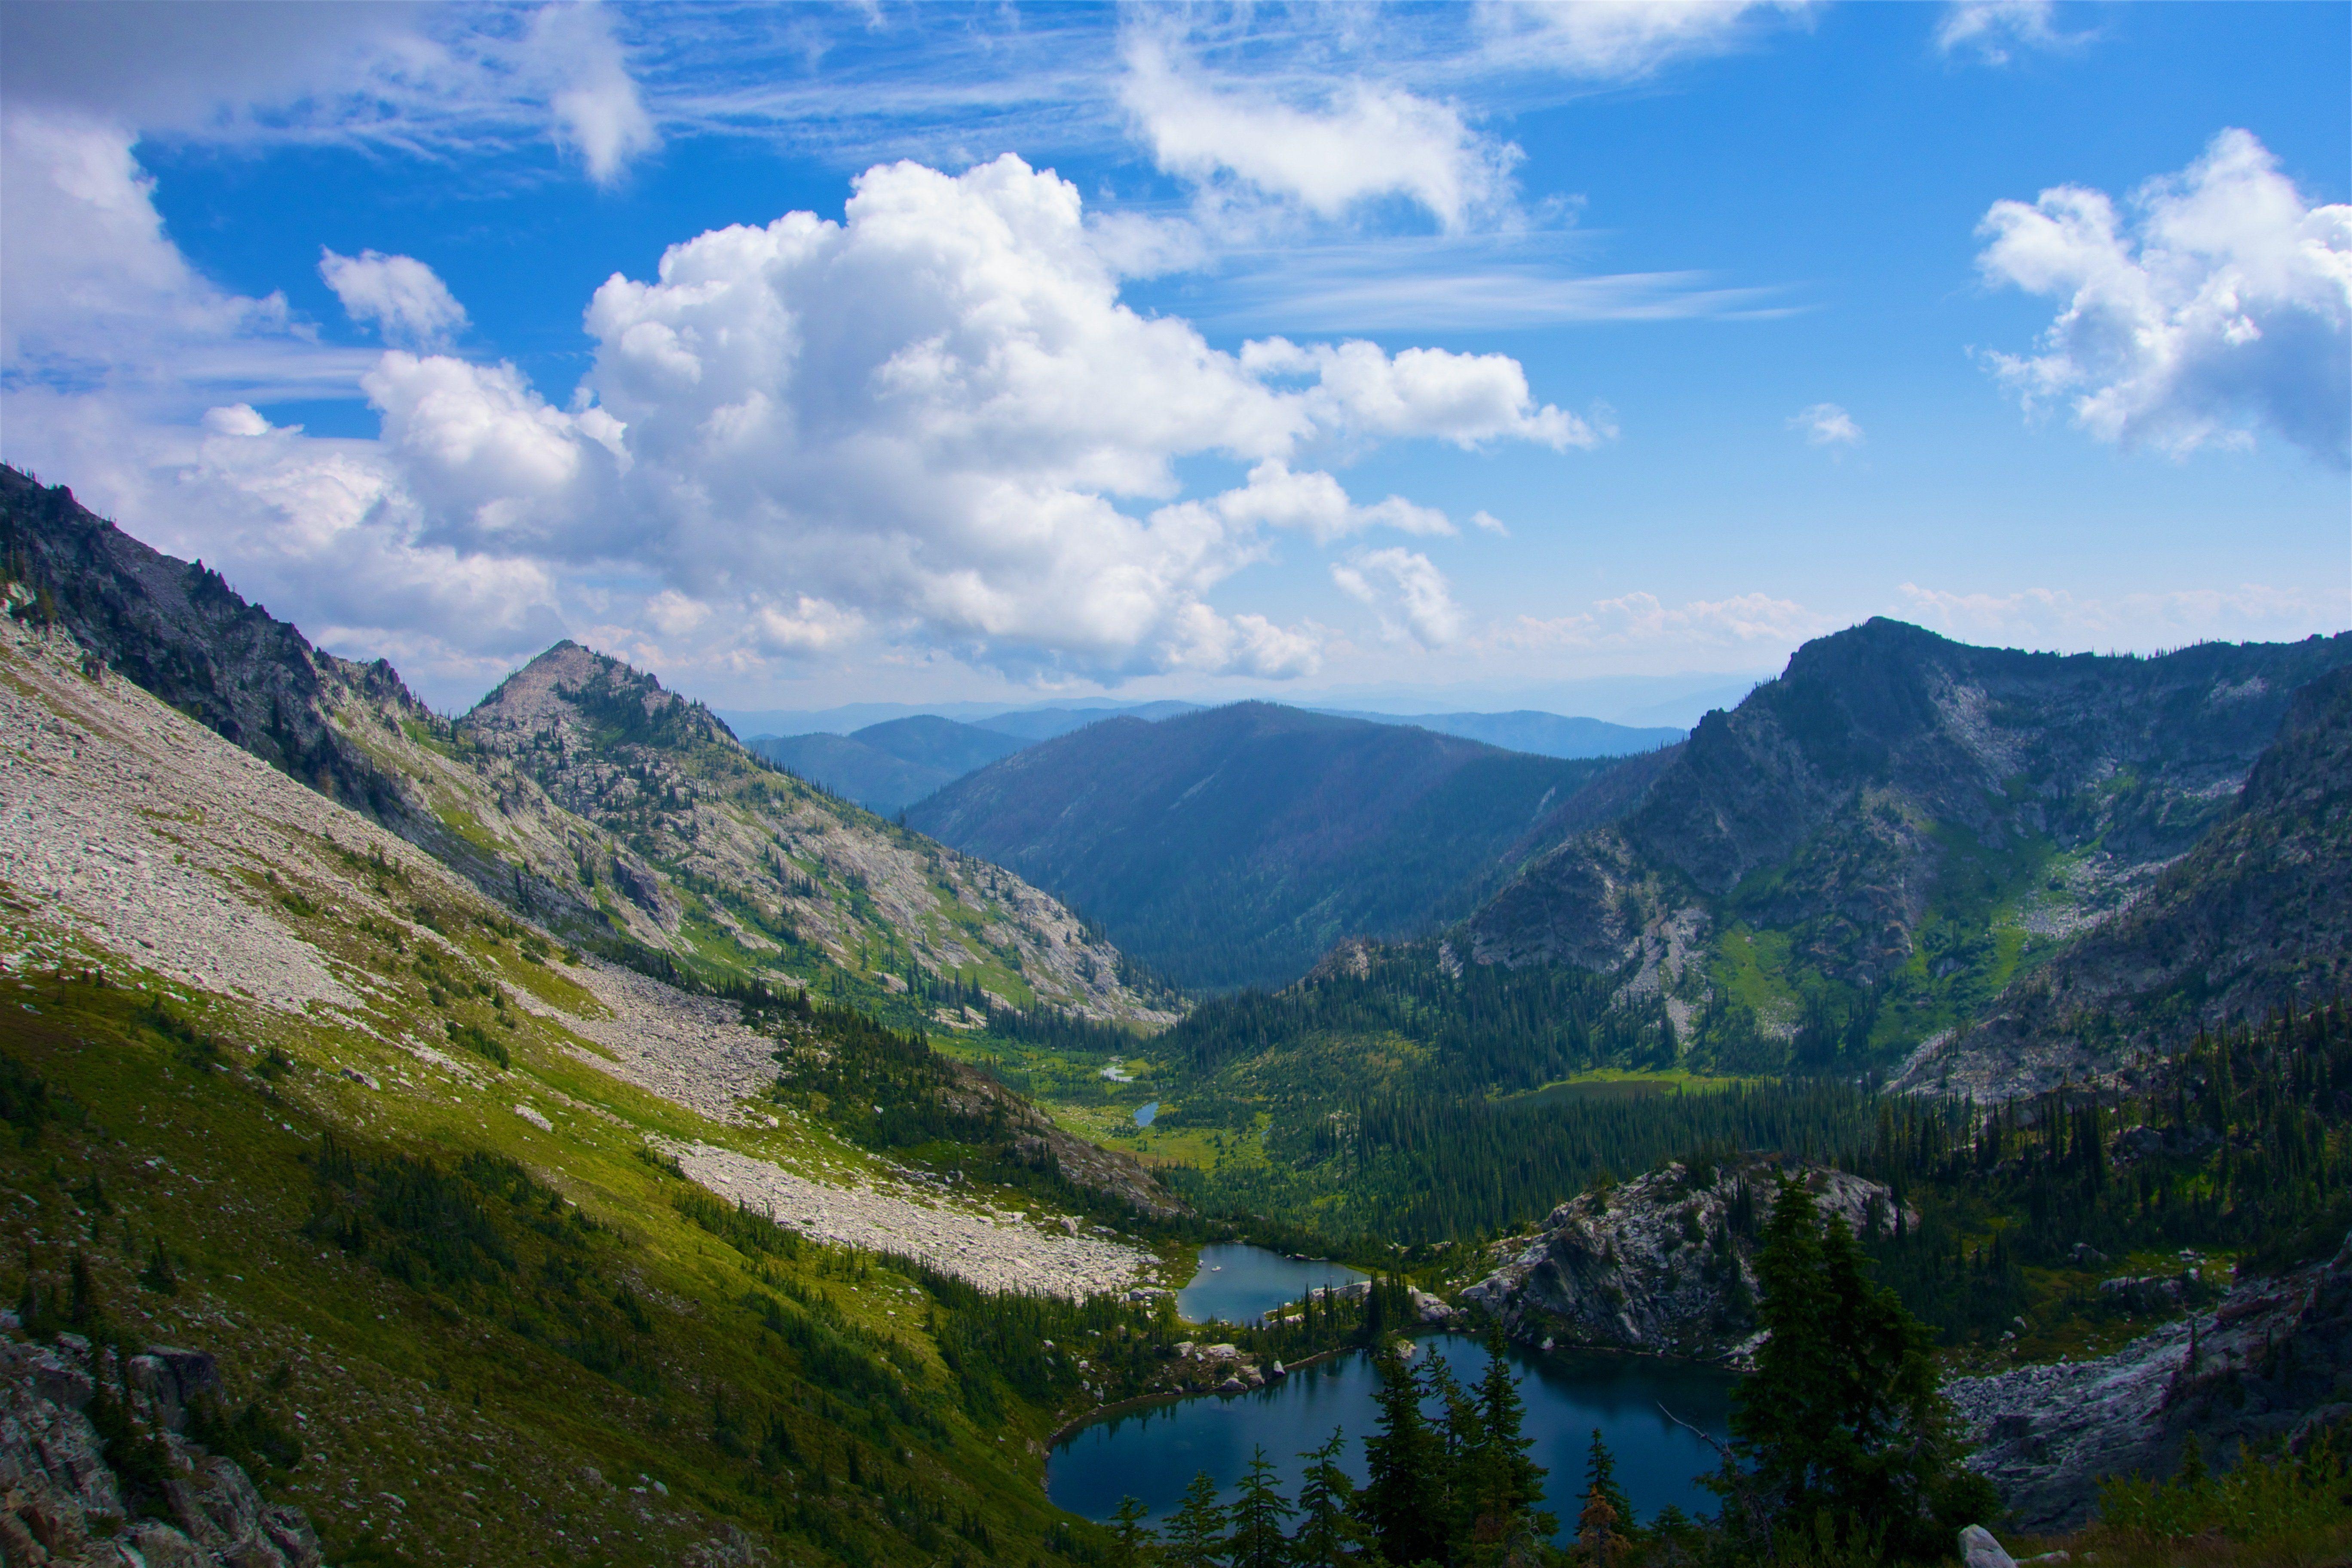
<point x="1233" y="847"/>
<point x="582" y="796"/>
<point x="889" y="766"/>
<point x="2258" y="915"/>
<point x="476" y="1229"/>
<point x="1869" y="849"/>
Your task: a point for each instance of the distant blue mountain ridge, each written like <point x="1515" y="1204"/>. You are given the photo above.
<point x="888" y="766"/>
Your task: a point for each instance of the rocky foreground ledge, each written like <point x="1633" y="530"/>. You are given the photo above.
<point x="67" y="1499"/>
<point x="2272" y="1362"/>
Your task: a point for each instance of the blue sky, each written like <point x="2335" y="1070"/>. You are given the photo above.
<point x="1465" y="354"/>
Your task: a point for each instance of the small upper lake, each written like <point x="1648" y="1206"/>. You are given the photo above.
<point x="1239" y="1284"/>
<point x="1152" y="1453"/>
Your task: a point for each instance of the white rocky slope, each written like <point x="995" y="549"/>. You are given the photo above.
<point x="666" y="817"/>
<point x="2272" y="1363"/>
<point x="136" y="840"/>
<point x="1662" y="1264"/>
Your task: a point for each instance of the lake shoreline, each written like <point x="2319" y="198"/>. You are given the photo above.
<point x="1076" y="1424"/>
<point x="1147" y="1445"/>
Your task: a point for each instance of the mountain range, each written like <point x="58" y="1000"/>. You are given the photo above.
<point x="1233" y="847"/>
<point x="552" y="1083"/>
<point x="580" y="793"/>
<point x="1867" y="850"/>
<point x="889" y="766"/>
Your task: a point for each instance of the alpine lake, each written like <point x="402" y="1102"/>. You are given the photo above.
<point x="1151" y="1452"/>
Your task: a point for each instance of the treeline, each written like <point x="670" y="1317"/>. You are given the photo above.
<point x="1420" y="1169"/>
<point x="2238" y="1143"/>
<point x="1469" y="1029"/>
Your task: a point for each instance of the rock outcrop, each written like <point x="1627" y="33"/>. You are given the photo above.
<point x="1662" y="1264"/>
<point x="2272" y="1362"/>
<point x="67" y="1498"/>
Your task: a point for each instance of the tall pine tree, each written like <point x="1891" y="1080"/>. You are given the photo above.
<point x="1258" y="1541"/>
<point x="1330" y="1534"/>
<point x="1196" y="1532"/>
<point x="1843" y="1416"/>
<point x="1401" y="1497"/>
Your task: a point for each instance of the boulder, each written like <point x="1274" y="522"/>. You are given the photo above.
<point x="1979" y="1550"/>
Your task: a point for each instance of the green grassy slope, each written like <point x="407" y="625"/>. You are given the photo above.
<point x="428" y="1228"/>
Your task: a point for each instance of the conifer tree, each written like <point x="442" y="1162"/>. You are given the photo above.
<point x="1601" y="1481"/>
<point x="1329" y="1535"/>
<point x="1258" y="1541"/>
<point x="1399" y="1499"/>
<point x="1843" y="1416"/>
<point x="1196" y="1532"/>
<point x="1509" y="1484"/>
<point x="1132" y="1545"/>
<point x="1461" y="1449"/>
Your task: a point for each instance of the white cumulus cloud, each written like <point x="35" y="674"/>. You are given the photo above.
<point x="2218" y="302"/>
<point x="1826" y="424"/>
<point x="398" y="295"/>
<point x="1362" y="142"/>
<point x="1411" y="595"/>
<point x="1467" y="399"/>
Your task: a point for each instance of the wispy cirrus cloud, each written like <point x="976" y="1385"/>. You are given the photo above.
<point x="429" y="79"/>
<point x="1991" y="32"/>
<point x="1351" y="141"/>
<point x="2057" y="619"/>
<point x="1748" y="625"/>
<point x="1435" y="283"/>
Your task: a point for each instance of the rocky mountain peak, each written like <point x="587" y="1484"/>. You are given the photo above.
<point x="578" y="696"/>
<point x="1894" y="791"/>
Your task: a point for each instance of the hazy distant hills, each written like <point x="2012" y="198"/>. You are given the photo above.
<point x="1233" y="845"/>
<point x="1526" y="729"/>
<point x="888" y="766"/>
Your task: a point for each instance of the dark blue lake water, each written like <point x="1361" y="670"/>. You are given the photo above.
<point x="1239" y="1284"/>
<point x="1152" y="1453"/>
<point x="1145" y="1115"/>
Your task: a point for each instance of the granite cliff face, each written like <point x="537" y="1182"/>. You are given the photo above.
<point x="69" y="1498"/>
<point x="1903" y="817"/>
<point x="2257" y="917"/>
<point x="1662" y="1264"/>
<point x="580" y="794"/>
